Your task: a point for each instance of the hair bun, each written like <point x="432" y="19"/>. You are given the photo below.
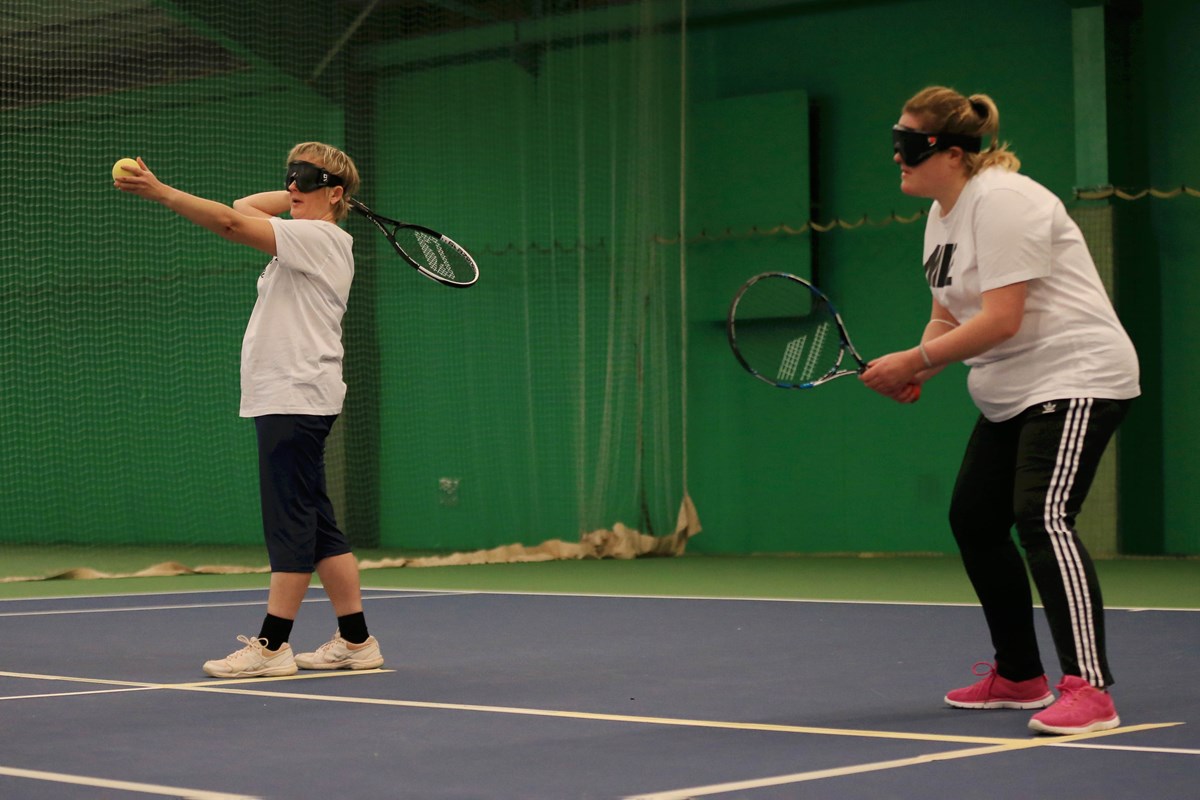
<point x="979" y="107"/>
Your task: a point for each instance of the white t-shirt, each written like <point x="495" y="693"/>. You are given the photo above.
<point x="1006" y="228"/>
<point x="292" y="350"/>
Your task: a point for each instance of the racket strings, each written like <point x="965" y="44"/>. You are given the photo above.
<point x="786" y="334"/>
<point x="437" y="256"/>
<point x="816" y="358"/>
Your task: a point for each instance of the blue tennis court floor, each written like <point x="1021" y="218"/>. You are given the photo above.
<point x="499" y="695"/>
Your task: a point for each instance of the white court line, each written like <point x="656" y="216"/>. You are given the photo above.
<point x="420" y="592"/>
<point x="231" y="590"/>
<point x="102" y="595"/>
<point x="126" y="786"/>
<point x="1182" y="751"/>
<point x="183" y="606"/>
<point x="736" y="599"/>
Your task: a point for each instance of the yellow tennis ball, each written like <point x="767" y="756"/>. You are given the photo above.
<point x="121" y="167"/>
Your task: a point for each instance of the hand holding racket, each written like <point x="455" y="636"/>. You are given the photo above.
<point x="787" y="333"/>
<point x="890" y="375"/>
<point x="434" y="255"/>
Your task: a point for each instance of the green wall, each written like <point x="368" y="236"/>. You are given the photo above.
<point x="1168" y="61"/>
<point x="122" y="323"/>
<point x="839" y="468"/>
<point x="849" y="471"/>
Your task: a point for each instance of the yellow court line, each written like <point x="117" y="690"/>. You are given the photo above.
<point x="236" y="687"/>
<point x="333" y="673"/>
<point x="103" y="681"/>
<point x="991" y="741"/>
<point x="627" y="718"/>
<point x="856" y="769"/>
<point x="125" y="786"/>
<point x="142" y="686"/>
<point x="299" y="676"/>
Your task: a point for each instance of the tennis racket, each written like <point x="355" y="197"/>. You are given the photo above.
<point x="787" y="333"/>
<point x="434" y="255"/>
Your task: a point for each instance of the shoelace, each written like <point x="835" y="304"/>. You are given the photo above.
<point x="1069" y="695"/>
<point x="337" y="637"/>
<point x="254" y="644"/>
<point x="988" y="669"/>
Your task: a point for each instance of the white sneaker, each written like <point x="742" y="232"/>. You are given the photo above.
<point x="253" y="661"/>
<point x="337" y="653"/>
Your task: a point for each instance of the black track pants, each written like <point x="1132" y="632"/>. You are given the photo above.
<point x="1034" y="471"/>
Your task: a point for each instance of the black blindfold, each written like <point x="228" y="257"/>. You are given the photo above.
<point x="308" y="177"/>
<point x="915" y="147"/>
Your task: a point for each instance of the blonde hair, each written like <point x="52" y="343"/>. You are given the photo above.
<point x="943" y="110"/>
<point x="337" y="163"/>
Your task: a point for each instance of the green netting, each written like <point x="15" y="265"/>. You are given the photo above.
<point x="543" y="403"/>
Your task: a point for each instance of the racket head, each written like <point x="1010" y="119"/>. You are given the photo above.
<point x="785" y="332"/>
<point x="433" y="254"/>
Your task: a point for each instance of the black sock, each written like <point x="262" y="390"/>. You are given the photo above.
<point x="353" y="628"/>
<point x="276" y="631"/>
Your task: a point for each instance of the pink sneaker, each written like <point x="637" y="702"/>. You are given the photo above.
<point x="1081" y="708"/>
<point x="996" y="691"/>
